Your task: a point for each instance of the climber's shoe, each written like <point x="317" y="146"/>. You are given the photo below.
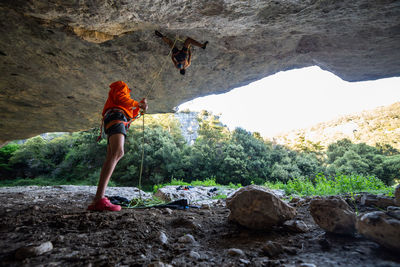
<point x="205" y="45"/>
<point x="159" y="34"/>
<point x="103" y="204"/>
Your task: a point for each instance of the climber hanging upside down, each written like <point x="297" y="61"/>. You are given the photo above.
<point x="181" y="58"/>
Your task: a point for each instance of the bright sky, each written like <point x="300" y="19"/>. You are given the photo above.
<point x="295" y="99"/>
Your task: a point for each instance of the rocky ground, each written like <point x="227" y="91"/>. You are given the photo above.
<point x="55" y="220"/>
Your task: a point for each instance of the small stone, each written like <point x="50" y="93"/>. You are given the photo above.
<point x="307" y="265"/>
<point x="297" y="226"/>
<point x="246" y="262"/>
<point x="194" y="255"/>
<point x="235" y="252"/>
<point x="205" y="207"/>
<point x="159" y="264"/>
<point x="186" y="239"/>
<point x="272" y="248"/>
<point x="36" y="207"/>
<point x="33" y="251"/>
<point x="204" y="257"/>
<point x="261" y="261"/>
<point x="167" y="211"/>
<point x="163" y="238"/>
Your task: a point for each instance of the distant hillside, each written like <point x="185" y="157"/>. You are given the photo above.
<point x="380" y="125"/>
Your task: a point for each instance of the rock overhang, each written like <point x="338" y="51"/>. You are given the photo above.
<point x="57" y="59"/>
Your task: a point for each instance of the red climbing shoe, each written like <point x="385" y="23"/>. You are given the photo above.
<point x="104" y="204"/>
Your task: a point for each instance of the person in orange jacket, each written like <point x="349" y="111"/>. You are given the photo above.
<point x="118" y="112"/>
<point x="181" y="58"/>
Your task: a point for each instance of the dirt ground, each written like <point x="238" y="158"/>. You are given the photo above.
<point x="131" y="237"/>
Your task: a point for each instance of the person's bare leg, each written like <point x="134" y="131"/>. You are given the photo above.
<point x="115" y="151"/>
<point x="168" y="41"/>
<point x="189" y="41"/>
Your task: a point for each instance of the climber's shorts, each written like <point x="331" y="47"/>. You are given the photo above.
<point x="118" y="128"/>
<point x="180" y="55"/>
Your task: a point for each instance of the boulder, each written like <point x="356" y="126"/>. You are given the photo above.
<point x="333" y="215"/>
<point x="397" y="195"/>
<point x="380" y="227"/>
<point x="377" y="201"/>
<point x="256" y="207"/>
<point x="297" y="226"/>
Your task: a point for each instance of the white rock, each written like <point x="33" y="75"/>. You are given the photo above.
<point x="163" y="238"/>
<point x="257" y="207"/>
<point x="381" y="228"/>
<point x="33" y="251"/>
<point x="333" y="215"/>
<point x="197" y="194"/>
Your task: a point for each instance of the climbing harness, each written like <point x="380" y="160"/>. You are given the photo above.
<point x="127" y="124"/>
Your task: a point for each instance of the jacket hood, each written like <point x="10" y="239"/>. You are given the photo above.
<point x="119" y="85"/>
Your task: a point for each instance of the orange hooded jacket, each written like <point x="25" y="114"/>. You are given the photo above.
<point x="119" y="97"/>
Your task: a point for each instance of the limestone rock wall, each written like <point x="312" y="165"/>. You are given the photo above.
<point x="189" y="125"/>
<point x="57" y="58"/>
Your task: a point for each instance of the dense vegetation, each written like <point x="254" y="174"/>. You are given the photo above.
<point x="237" y="157"/>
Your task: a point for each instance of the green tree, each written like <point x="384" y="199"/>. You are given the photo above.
<point x="6" y="153"/>
<point x="391" y="169"/>
<point x="30" y="160"/>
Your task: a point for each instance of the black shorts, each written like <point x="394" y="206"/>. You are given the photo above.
<point x="118" y="128"/>
<point x="180" y="55"/>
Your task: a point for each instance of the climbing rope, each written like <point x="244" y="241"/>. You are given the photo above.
<point x="162" y="67"/>
<point x="142" y="112"/>
<point x="155" y="79"/>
